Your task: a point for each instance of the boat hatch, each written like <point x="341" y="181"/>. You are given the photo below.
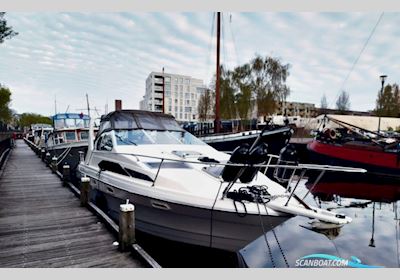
<point x="167" y="164"/>
<point x="187" y="154"/>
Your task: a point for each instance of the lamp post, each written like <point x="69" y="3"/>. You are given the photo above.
<point x="383" y="78"/>
<point x="163" y="91"/>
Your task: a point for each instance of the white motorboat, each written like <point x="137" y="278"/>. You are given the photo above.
<point x="185" y="190"/>
<point x="68" y="139"/>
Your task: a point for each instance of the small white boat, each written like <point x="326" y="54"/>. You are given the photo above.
<point x="185" y="190"/>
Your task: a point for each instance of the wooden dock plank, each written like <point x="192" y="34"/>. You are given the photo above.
<point x="43" y="225"/>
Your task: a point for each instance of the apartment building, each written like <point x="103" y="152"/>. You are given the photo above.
<point x="181" y="94"/>
<point x="304" y="110"/>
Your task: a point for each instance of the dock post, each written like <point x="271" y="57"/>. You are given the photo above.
<point x="85" y="185"/>
<point x="66" y="174"/>
<point x="126" y="226"/>
<point x="43" y="154"/>
<point x="54" y="164"/>
<point x="47" y="159"/>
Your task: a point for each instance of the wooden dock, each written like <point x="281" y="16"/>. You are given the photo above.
<point x="43" y="225"/>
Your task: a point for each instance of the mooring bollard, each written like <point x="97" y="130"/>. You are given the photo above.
<point x="81" y="156"/>
<point x="126" y="226"/>
<point x="43" y="154"/>
<point x="85" y="185"/>
<point x="66" y="174"/>
<point x="47" y="159"/>
<point x="54" y="164"/>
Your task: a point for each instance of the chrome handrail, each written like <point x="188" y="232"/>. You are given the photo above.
<point x="297" y="167"/>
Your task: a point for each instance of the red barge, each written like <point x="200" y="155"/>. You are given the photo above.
<point x="352" y="146"/>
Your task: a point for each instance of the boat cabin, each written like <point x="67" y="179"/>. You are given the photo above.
<point x="69" y="128"/>
<point x="137" y="127"/>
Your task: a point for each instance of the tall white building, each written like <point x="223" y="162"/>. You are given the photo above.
<point x="181" y="95"/>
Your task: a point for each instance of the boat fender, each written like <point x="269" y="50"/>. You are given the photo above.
<point x="287" y="156"/>
<point x="256" y="156"/>
<point x="239" y="155"/>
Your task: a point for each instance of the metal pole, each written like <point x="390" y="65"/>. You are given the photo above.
<point x="383" y="77"/>
<point x="217" y="83"/>
<point x="163" y="92"/>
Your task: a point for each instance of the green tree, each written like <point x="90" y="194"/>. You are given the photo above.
<point x="388" y="102"/>
<point x="204" y="107"/>
<point x="5" y="99"/>
<point x="227" y="101"/>
<point x="26" y="119"/>
<point x="243" y="103"/>
<point x="343" y="102"/>
<point x="6" y="32"/>
<point x="268" y="80"/>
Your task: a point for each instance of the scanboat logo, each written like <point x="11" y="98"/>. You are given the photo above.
<point x="324" y="260"/>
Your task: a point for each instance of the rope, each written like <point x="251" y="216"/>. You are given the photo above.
<point x="276" y="238"/>
<point x="208" y="62"/>
<point x="233" y="40"/>
<point x="265" y="236"/>
<point x="359" y="55"/>
<point x="63" y="155"/>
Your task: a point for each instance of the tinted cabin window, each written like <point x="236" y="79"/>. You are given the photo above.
<point x="112" y="167"/>
<point x="139" y="175"/>
<point x="70" y="135"/>
<point x="84" y="135"/>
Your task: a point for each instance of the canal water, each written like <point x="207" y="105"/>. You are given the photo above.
<point x="371" y="239"/>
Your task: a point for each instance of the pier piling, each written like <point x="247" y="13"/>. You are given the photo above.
<point x="126" y="226"/>
<point x="43" y="154"/>
<point x="66" y="174"/>
<point x="85" y="185"/>
<point x="54" y="164"/>
<point x="47" y="159"/>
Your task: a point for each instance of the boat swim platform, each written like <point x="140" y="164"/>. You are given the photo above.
<point x="43" y="225"/>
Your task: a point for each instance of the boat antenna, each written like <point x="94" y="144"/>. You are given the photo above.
<point x="66" y="111"/>
<point x="217" y="120"/>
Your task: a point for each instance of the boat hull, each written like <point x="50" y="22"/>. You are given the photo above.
<point x="375" y="162"/>
<point x="72" y="158"/>
<point x="184" y="223"/>
<point x="275" y="140"/>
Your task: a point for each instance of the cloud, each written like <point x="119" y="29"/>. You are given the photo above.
<point x="109" y="55"/>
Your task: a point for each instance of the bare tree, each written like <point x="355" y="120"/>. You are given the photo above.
<point x="205" y="105"/>
<point x="324" y="104"/>
<point x="343" y="102"/>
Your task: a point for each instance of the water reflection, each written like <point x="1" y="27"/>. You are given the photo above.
<point x="372" y="236"/>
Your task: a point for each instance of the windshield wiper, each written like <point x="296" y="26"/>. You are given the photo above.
<point x="126" y="141"/>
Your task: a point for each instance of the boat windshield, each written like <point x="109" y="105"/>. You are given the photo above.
<point x="142" y="136"/>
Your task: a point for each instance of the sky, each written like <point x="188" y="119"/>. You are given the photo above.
<point x="63" y="56"/>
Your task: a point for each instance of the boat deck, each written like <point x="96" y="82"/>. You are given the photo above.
<point x="43" y="225"/>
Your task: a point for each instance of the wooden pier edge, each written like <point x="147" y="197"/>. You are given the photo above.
<point x="136" y="248"/>
<point x="10" y="255"/>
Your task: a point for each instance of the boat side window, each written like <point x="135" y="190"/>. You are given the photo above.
<point x="112" y="167"/>
<point x="70" y="135"/>
<point x="105" y="143"/>
<point x="84" y="135"/>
